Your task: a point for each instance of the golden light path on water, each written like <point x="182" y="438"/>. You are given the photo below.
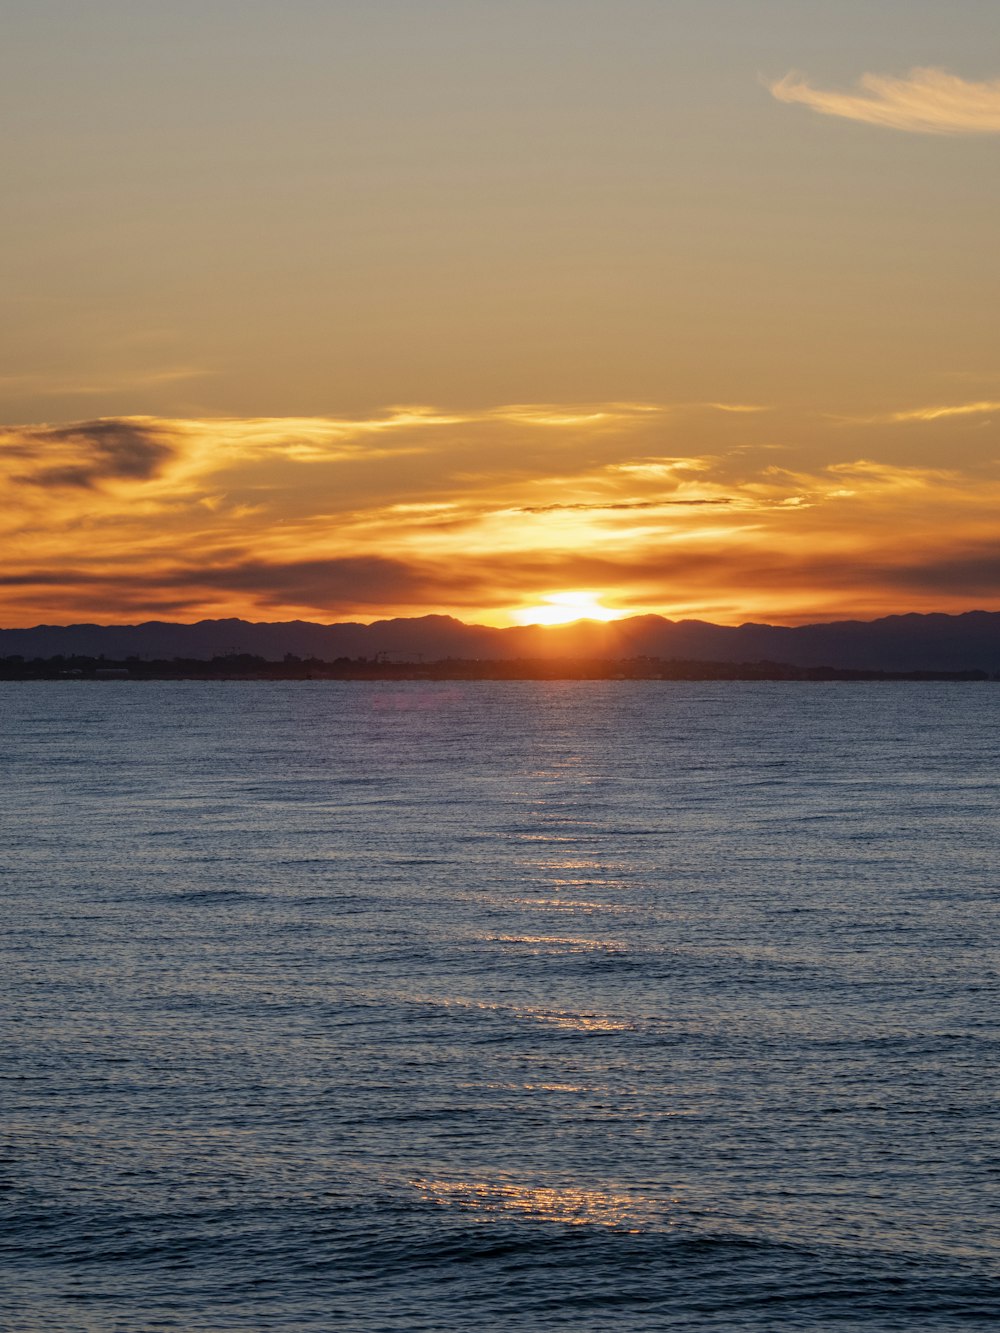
<point x="570" y="1205"/>
<point x="570" y="1019"/>
<point x="569" y="944"/>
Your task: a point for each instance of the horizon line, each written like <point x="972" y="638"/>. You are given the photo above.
<point x="500" y="629"/>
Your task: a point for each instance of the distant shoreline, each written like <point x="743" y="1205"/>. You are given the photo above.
<point x="246" y="668"/>
<point x="909" y="646"/>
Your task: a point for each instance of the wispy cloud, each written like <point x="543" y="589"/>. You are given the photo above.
<point x="558" y="414"/>
<point x="926" y="101"/>
<point x="12" y="386"/>
<point x="736" y="407"/>
<point x="953" y="410"/>
<point x="934" y="412"/>
<point x="611" y="506"/>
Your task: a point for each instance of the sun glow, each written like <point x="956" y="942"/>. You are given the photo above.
<point x="561" y="608"/>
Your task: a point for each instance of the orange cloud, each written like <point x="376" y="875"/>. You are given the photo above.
<point x="927" y="101"/>
<point x="479" y="513"/>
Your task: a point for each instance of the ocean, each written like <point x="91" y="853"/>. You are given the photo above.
<point x="499" y="1006"/>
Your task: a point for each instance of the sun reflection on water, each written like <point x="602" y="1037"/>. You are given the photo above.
<point x="576" y="1022"/>
<point x="570" y="1205"/>
<point x="566" y="944"/>
<point x="569" y="1019"/>
<point x="567" y="904"/>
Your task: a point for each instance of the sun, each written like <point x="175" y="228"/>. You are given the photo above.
<point x="560" y="608"/>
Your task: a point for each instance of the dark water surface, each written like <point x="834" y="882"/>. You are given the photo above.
<point x="522" y="1006"/>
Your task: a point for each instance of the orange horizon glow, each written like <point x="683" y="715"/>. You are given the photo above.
<point x="563" y="608"/>
<point x="501" y="516"/>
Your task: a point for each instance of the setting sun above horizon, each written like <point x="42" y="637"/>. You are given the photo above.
<point x="562" y="608"/>
<point x="353" y="311"/>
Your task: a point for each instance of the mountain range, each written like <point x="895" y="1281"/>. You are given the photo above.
<point x="934" y="642"/>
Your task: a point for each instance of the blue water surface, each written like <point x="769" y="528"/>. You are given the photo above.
<point x="501" y="1006"/>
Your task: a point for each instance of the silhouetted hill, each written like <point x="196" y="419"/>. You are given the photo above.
<point x="894" y="643"/>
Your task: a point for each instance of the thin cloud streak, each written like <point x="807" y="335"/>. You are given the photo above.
<point x="935" y="412"/>
<point x="939" y="413"/>
<point x="91" y="387"/>
<point x="735" y="407"/>
<point x="926" y="101"/>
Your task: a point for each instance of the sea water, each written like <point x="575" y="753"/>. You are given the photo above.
<point x="519" y="1006"/>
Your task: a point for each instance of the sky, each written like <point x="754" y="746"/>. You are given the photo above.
<point x="511" y="310"/>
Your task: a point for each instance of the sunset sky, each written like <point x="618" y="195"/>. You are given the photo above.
<point x="508" y="309"/>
